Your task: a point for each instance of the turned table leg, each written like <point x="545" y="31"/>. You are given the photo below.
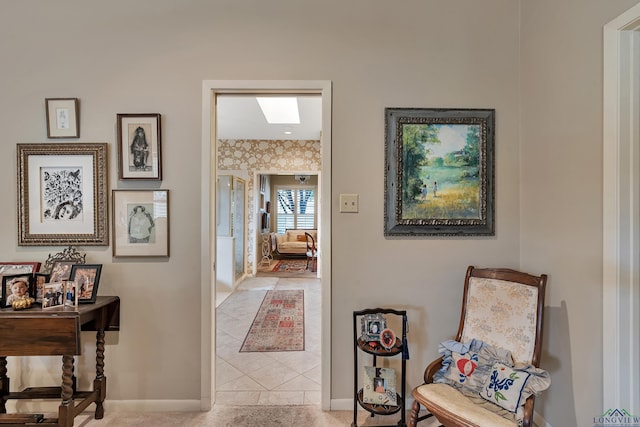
<point x="66" y="408"/>
<point x="100" y="383"/>
<point x="4" y="384"/>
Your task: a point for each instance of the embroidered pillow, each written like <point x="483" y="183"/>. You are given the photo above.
<point x="505" y="387"/>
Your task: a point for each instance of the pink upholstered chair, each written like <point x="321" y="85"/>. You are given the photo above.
<point x="503" y="308"/>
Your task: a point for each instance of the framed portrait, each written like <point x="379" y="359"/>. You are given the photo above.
<point x="62" y="194"/>
<point x="379" y="386"/>
<point x="439" y="172"/>
<point x="387" y="338"/>
<point x="139" y="146"/>
<point x="140" y="223"/>
<point x="14" y="268"/>
<point x="70" y="294"/>
<point x="39" y="280"/>
<point x="371" y="326"/>
<point x="61" y="270"/>
<point x="54" y="294"/>
<point x="63" y="120"/>
<point x="15" y="287"/>
<point x="86" y="278"/>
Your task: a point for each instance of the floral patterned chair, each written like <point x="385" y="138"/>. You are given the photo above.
<point x="489" y="375"/>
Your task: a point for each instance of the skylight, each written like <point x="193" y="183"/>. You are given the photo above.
<point x="279" y="110"/>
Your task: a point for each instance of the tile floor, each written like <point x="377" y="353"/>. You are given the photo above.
<point x="267" y="378"/>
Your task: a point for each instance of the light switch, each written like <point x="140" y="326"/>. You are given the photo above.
<point x="349" y="203"/>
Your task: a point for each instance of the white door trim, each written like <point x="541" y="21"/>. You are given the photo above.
<point x="209" y="161"/>
<point x="621" y="191"/>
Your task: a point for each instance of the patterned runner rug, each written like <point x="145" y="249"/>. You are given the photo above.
<point x="279" y="324"/>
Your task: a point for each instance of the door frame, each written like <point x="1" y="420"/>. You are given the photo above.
<point x="211" y="88"/>
<point x="621" y="213"/>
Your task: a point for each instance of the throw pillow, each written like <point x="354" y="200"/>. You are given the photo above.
<point x="505" y="387"/>
<point x="301" y="238"/>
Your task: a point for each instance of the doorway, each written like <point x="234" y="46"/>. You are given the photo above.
<point x="211" y="89"/>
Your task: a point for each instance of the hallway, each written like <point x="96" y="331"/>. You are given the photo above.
<point x="266" y="378"/>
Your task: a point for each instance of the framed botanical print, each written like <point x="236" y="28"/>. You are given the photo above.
<point x="62" y="194"/>
<point x="139" y="146"/>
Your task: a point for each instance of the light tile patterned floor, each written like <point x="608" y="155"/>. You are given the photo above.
<point x="268" y="378"/>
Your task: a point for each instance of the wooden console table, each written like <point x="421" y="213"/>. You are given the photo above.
<point x="56" y="332"/>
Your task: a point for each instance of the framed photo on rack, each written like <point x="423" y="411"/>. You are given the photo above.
<point x="62" y="194"/>
<point x="371" y="326"/>
<point x="63" y="120"/>
<point x="140" y="223"/>
<point x="439" y="172"/>
<point x="139" y="146"/>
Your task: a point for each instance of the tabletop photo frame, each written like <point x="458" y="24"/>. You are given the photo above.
<point x="86" y="278"/>
<point x="62" y="194"/>
<point x="63" y="120"/>
<point x="140" y="223"/>
<point x="439" y="172"/>
<point x="140" y="146"/>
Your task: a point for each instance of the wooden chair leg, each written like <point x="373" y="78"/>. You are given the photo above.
<point x="413" y="416"/>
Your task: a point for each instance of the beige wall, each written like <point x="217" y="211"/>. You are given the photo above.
<point x="152" y="56"/>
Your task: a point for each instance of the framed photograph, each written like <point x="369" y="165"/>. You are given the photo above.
<point x="39" y="280"/>
<point x="62" y="194"/>
<point x="61" y="271"/>
<point x="379" y="386"/>
<point x="14" y="268"/>
<point x="70" y="294"/>
<point x="53" y="295"/>
<point x="387" y="338"/>
<point x="16" y="287"/>
<point x="86" y="278"/>
<point x="139" y="146"/>
<point x="371" y="326"/>
<point x="63" y="120"/>
<point x="140" y="223"/>
<point x="439" y="172"/>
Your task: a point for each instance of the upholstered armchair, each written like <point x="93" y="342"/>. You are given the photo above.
<point x="489" y="375"/>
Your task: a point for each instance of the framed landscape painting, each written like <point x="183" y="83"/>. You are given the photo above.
<point x="62" y="194"/>
<point x="439" y="172"/>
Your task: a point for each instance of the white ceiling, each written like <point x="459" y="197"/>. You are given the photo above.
<point x="240" y="117"/>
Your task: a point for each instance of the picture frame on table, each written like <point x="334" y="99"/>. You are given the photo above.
<point x="39" y="280"/>
<point x="439" y="172"/>
<point x="86" y="278"/>
<point x="140" y="146"/>
<point x="14" y="268"/>
<point x="54" y="295"/>
<point x="371" y="326"/>
<point x="62" y="194"/>
<point x="15" y="286"/>
<point x="63" y="118"/>
<point x="140" y="223"/>
<point x="61" y="271"/>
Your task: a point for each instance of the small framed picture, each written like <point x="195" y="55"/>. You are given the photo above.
<point x="387" y="338"/>
<point x="53" y="295"/>
<point x="371" y="326"/>
<point x="39" y="280"/>
<point x="61" y="271"/>
<point x="139" y="146"/>
<point x="15" y="287"/>
<point x="86" y="278"/>
<point x="13" y="268"/>
<point x="140" y="223"/>
<point x="62" y="118"/>
<point x="70" y="294"/>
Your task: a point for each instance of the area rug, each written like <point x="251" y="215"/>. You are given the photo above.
<point x="290" y="266"/>
<point x="279" y="323"/>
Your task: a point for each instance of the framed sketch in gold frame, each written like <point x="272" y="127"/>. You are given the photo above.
<point x="63" y="119"/>
<point x="62" y="194"/>
<point x="140" y="223"/>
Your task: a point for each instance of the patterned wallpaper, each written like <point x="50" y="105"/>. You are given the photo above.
<point x="270" y="156"/>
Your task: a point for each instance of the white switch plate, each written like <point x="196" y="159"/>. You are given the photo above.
<point x="348" y="203"/>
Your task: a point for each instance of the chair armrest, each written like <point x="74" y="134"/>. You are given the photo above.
<point x="432" y="369"/>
